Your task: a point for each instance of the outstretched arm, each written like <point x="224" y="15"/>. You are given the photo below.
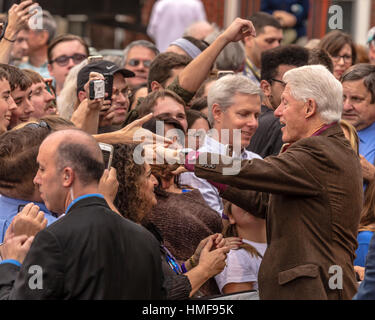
<point x="196" y="71"/>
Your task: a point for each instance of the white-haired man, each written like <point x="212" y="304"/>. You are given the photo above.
<point x="233" y="110"/>
<point x="311" y="193"/>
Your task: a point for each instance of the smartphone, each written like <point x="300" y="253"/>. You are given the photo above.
<point x="20" y="207"/>
<point x="224" y="73"/>
<point x="92" y="59"/>
<point x="97" y="89"/>
<point x="107" y="151"/>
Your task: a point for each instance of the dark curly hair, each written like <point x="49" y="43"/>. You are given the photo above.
<point x="129" y="199"/>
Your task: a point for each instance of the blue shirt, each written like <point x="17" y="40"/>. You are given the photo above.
<point x="9" y="209"/>
<point x="42" y="70"/>
<point x="366" y="290"/>
<point x="367" y="143"/>
<point x="363" y="238"/>
<point x="17" y="263"/>
<point x="210" y="193"/>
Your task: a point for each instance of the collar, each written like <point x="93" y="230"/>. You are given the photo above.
<point x="367" y="133"/>
<point x="320" y="131"/>
<point x="211" y="145"/>
<point x="323" y="128"/>
<point x="16" y="202"/>
<point x="90" y="195"/>
<point x="255" y="71"/>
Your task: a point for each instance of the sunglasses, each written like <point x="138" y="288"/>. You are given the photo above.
<point x="135" y="62"/>
<point x="41" y="124"/>
<point x="62" y="61"/>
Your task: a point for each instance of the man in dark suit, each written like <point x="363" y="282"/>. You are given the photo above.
<point x="89" y="253"/>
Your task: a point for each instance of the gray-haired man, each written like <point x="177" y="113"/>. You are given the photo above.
<point x="233" y="110"/>
<point x="138" y="56"/>
<point x="38" y="41"/>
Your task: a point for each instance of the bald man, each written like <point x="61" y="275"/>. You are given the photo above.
<point x="90" y="252"/>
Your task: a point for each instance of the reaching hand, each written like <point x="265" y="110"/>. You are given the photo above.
<point x="134" y="133"/>
<point x="108" y="185"/>
<point x="29" y="221"/>
<point x="16" y="248"/>
<point x="218" y="242"/>
<point x="159" y="154"/>
<point x="212" y="262"/>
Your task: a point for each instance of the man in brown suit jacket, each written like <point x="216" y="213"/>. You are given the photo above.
<point x="310" y="194"/>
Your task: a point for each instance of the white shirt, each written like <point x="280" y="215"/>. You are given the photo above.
<point x="241" y="266"/>
<point x="170" y="18"/>
<point x="210" y="194"/>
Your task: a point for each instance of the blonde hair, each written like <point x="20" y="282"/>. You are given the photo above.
<point x="67" y="100"/>
<point x="353" y="136"/>
<point x="231" y="231"/>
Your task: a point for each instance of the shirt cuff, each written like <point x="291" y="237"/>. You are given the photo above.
<point x="12" y="261"/>
<point x="190" y="160"/>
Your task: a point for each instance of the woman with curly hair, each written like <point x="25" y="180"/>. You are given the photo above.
<point x="135" y="199"/>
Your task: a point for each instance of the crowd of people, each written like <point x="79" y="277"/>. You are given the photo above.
<point x="237" y="163"/>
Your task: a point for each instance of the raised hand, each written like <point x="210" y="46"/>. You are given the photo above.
<point x="238" y="30"/>
<point x="108" y="184"/>
<point x="18" y="17"/>
<point x="95" y="104"/>
<point x="29" y="221"/>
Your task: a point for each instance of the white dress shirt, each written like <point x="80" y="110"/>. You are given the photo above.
<point x="210" y="194"/>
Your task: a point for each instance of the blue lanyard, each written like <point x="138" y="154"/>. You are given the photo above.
<point x="172" y="261"/>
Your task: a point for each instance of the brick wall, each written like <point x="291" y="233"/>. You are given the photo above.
<point x="372" y="20"/>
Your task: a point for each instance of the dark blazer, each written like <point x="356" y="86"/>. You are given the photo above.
<point x="90" y="253"/>
<point x="311" y="196"/>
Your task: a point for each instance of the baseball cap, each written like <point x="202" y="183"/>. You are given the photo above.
<point x="103" y="67"/>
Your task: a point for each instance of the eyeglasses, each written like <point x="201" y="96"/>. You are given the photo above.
<point x="41" y="124"/>
<point x="279" y="81"/>
<point x="62" y="61"/>
<point x="135" y="62"/>
<point x="347" y="58"/>
<point x="125" y="92"/>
